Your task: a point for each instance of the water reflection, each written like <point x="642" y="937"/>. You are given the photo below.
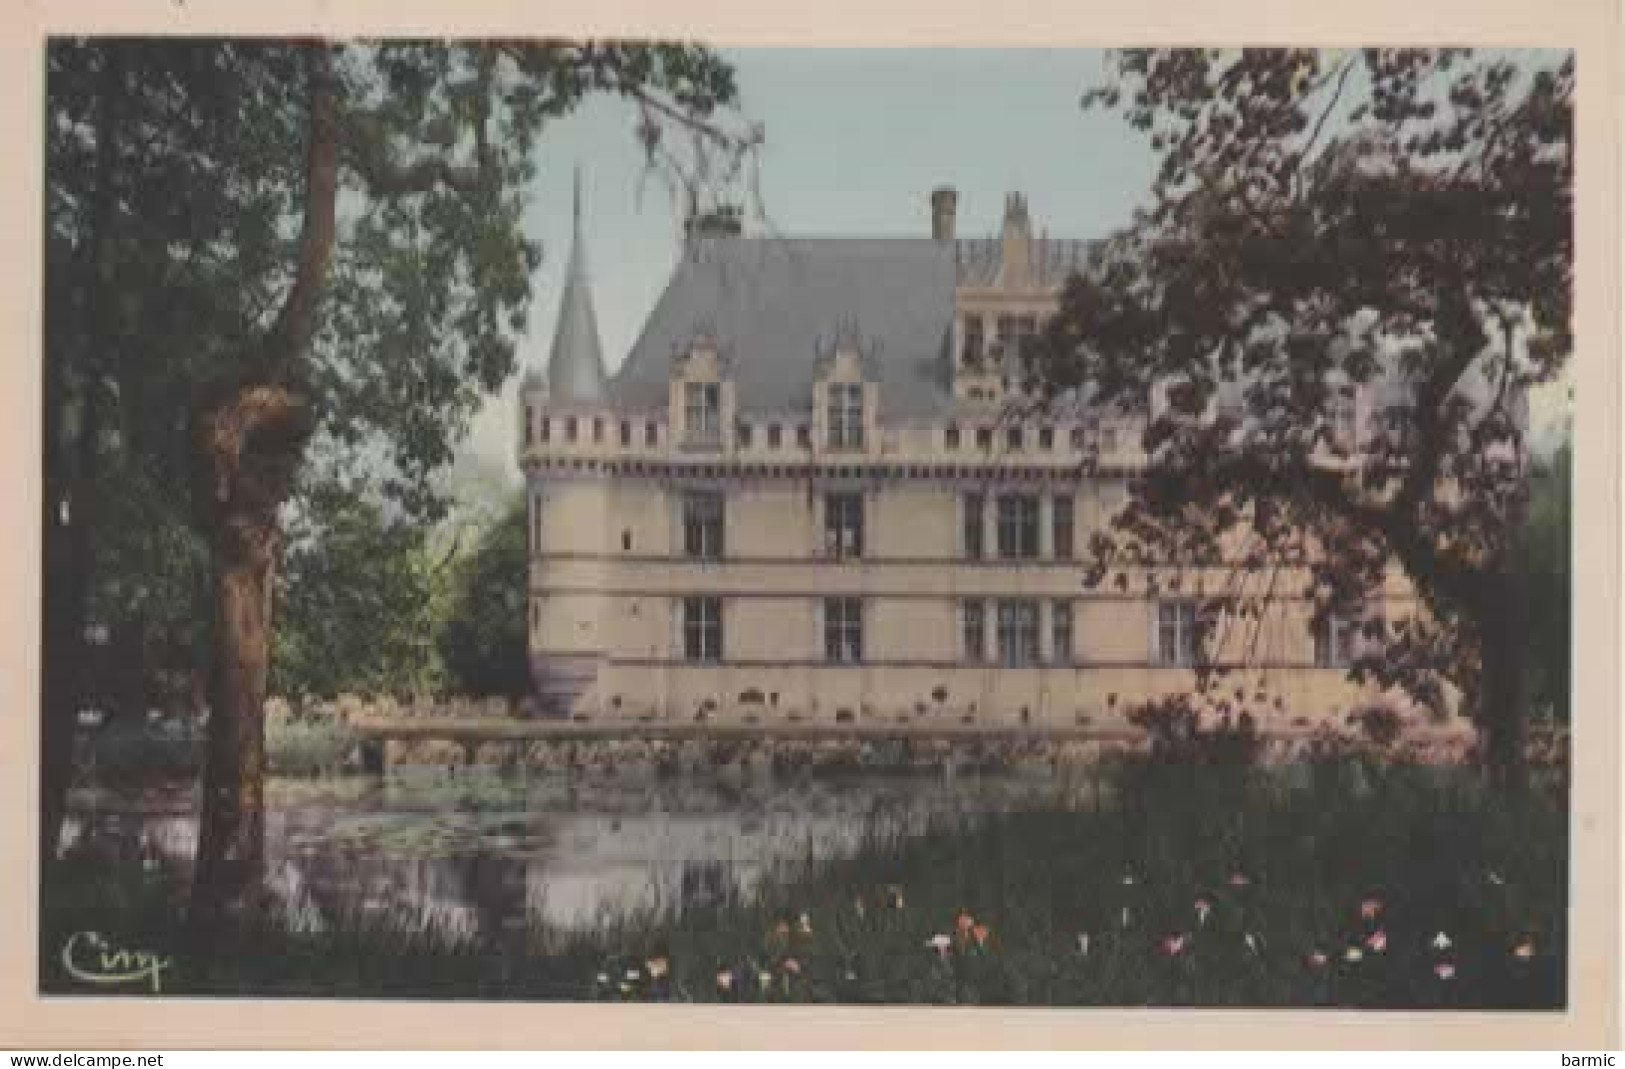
<point x="481" y="853"/>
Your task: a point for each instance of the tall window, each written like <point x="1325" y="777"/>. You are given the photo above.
<point x="535" y="525"/>
<point x="775" y="436"/>
<point x="1018" y="526"/>
<point x="974" y="550"/>
<point x="530" y="432"/>
<point x="651" y="433"/>
<point x="570" y="429"/>
<point x="1061" y="526"/>
<point x="973" y="631"/>
<point x="1176" y="632"/>
<point x="1340" y="417"/>
<point x="702" y="629"/>
<point x="950" y="437"/>
<point x="702" y="413"/>
<point x="846" y="415"/>
<point x="974" y="342"/>
<point x="1060" y="619"/>
<point x="1334" y="642"/>
<point x="843" y="525"/>
<point x="744" y="434"/>
<point x="626" y="433"/>
<point x="1013" y="437"/>
<point x="1046" y="438"/>
<point x="1018" y="633"/>
<point x="546" y="428"/>
<point x="702" y="525"/>
<point x="843" y="630"/>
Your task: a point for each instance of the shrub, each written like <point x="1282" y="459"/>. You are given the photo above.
<point x="1379" y="723"/>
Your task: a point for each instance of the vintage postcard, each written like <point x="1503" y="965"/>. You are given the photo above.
<point x="657" y="522"/>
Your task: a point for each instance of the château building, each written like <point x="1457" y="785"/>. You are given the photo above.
<point x="799" y="497"/>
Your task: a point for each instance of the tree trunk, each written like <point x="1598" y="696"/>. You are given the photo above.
<point x="248" y="439"/>
<point x="1503" y="699"/>
<point x="229" y="878"/>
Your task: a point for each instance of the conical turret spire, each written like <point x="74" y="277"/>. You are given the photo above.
<point x="575" y="370"/>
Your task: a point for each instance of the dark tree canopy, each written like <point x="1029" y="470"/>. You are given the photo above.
<point x="259" y="250"/>
<point x="1387" y="231"/>
<point x="483" y="641"/>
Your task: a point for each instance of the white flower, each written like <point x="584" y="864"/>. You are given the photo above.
<point x="1353" y="954"/>
<point x="805" y="924"/>
<point x="1252" y="942"/>
<point x="763" y="977"/>
<point x="1128" y="879"/>
<point x="940" y="943"/>
<point x="1125" y="916"/>
<point x="725" y="980"/>
<point x="1083" y="943"/>
<point x="603" y="977"/>
<point x="1496" y="879"/>
<point x="633" y="975"/>
<point x="1441" y="942"/>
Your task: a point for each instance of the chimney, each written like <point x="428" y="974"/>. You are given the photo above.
<point x="943" y="201"/>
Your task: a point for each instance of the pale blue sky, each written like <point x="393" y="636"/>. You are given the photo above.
<point x="856" y="140"/>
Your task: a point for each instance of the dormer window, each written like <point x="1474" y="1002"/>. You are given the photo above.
<point x="702" y="413"/>
<point x="846" y="415"/>
<point x="972" y="351"/>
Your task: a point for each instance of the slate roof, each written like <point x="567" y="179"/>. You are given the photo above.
<point x="775" y="305"/>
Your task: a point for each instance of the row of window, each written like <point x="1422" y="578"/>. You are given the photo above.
<point x="1016" y="623"/>
<point x="702" y="426"/>
<point x="1017" y="631"/>
<point x="1016" y="526"/>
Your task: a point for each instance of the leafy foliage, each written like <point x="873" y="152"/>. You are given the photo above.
<point x="482" y="643"/>
<point x="1388" y="230"/>
<point x="356" y="599"/>
<point x="1546" y="553"/>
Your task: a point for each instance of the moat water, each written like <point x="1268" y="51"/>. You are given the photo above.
<point x="478" y="850"/>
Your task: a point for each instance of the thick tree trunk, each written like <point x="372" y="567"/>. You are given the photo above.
<point x="248" y="439"/>
<point x="230" y="872"/>
<point x="1504" y="699"/>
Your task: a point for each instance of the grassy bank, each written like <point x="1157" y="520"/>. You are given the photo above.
<point x="1340" y="883"/>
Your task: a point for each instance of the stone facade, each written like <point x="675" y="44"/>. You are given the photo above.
<point x="807" y="523"/>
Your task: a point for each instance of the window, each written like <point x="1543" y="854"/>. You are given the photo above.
<point x="597" y="430"/>
<point x="950" y="437"/>
<point x="843" y="630"/>
<point x="535" y="526"/>
<point x="1340" y="417"/>
<point x="1079" y="440"/>
<point x="1018" y="633"/>
<point x="651" y="433"/>
<point x="702" y="525"/>
<point x="973" y="630"/>
<point x="744" y="435"/>
<point x="1176" y="632"/>
<point x="1018" y="526"/>
<point x="1334" y="642"/>
<point x="846" y="415"/>
<point x="546" y="428"/>
<point x="984" y="438"/>
<point x="1060" y="623"/>
<point x="570" y="429"/>
<point x="843" y="525"/>
<point x="1061" y="527"/>
<point x="972" y="352"/>
<point x="1004" y="333"/>
<point x="530" y="432"/>
<point x="804" y="436"/>
<point x="702" y="413"/>
<point x="1012" y="438"/>
<point x="626" y="432"/>
<point x="702" y="629"/>
<point x="775" y="436"/>
<point x="1108" y="439"/>
<point x="1046" y="438"/>
<point x="974" y="550"/>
